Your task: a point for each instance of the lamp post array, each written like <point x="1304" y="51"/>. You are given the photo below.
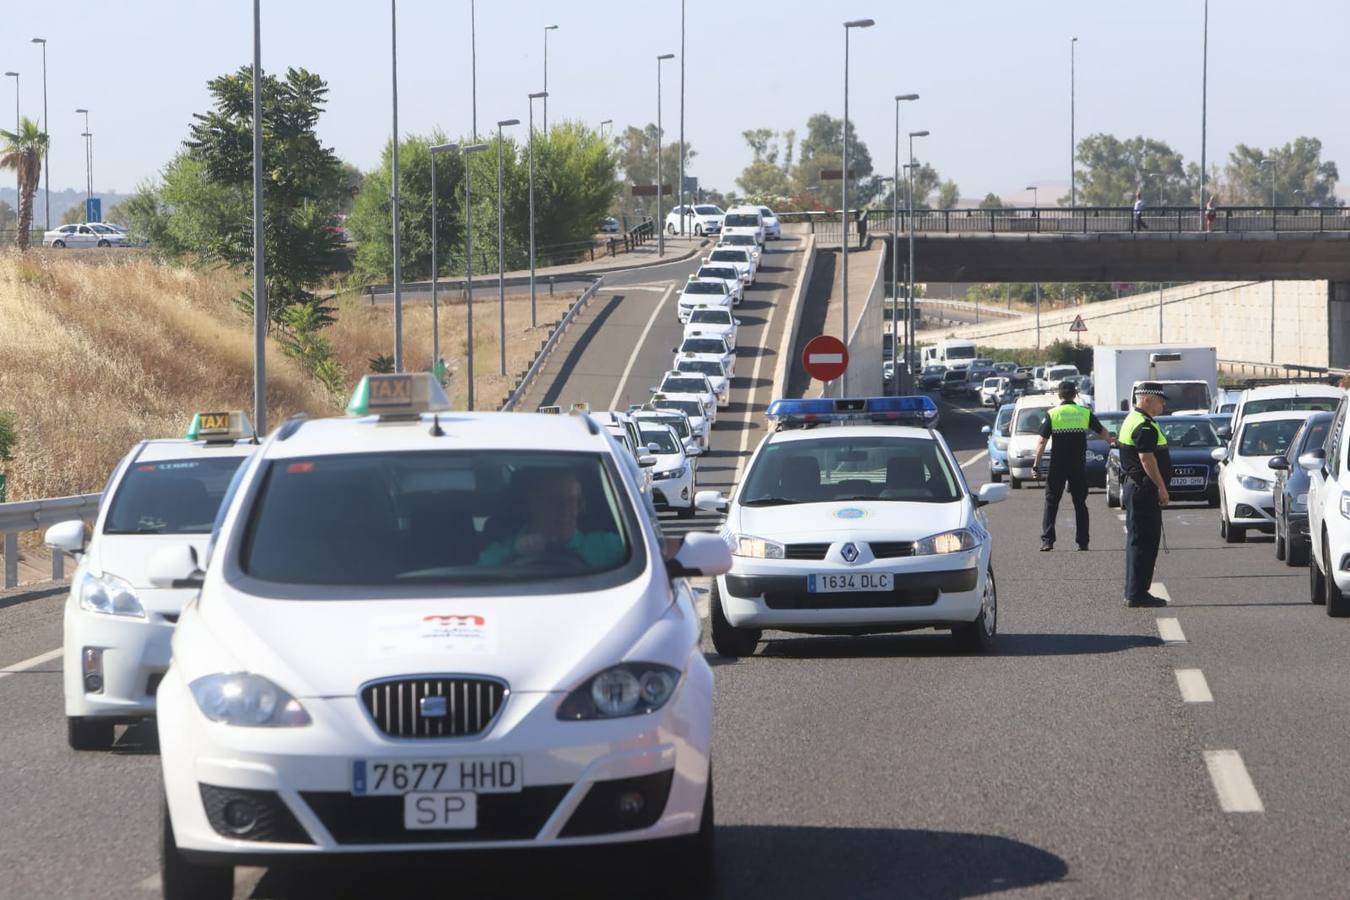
<point x="501" y="248"/>
<point x="47" y="153"/>
<point x="660" y="232"/>
<point x="843" y="206"/>
<point x="909" y="291"/>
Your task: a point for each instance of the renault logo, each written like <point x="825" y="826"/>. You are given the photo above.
<point x="849" y="552"/>
<point x="433" y="707"/>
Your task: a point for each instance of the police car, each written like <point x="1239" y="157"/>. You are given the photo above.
<point x="846" y="523"/>
<point x="701" y="293"/>
<point x="427" y="631"/>
<point x="713" y="370"/>
<point x="117" y="625"/>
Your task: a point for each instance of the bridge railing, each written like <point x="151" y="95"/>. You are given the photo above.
<point x="1083" y="220"/>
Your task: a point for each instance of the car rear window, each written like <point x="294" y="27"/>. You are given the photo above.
<point x="172" y="496"/>
<point x="701" y="366"/>
<point x="703" y="345"/>
<point x="676" y="385"/>
<point x="691" y="408"/>
<point x="705" y="287"/>
<point x="729" y="255"/>
<point x="1280" y="404"/>
<point x="711" y="316"/>
<point x="717" y="272"/>
<point x="741" y="220"/>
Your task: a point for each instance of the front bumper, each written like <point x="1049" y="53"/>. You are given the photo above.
<point x="303" y="777"/>
<point x="998" y="462"/>
<point x="1249" y="509"/>
<point x="135" y="657"/>
<point x="674" y="493"/>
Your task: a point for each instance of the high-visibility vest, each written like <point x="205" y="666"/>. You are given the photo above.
<point x="1131" y="425"/>
<point x="1069" y="417"/>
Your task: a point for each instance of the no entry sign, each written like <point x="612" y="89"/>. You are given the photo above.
<point x="825" y="358"/>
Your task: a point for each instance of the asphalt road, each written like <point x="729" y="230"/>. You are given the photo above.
<point x="1067" y="764"/>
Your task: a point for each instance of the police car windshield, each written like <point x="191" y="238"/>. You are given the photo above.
<point x="1188" y="431"/>
<point x="677" y="385"/>
<point x="705" y="287"/>
<point x="468" y="517"/>
<point x="704" y="345"/>
<point x="175" y="496"/>
<point x="702" y="366"/>
<point x="850" y="468"/>
<point x="691" y="408"/>
<point x="1267" y="438"/>
<point x="662" y="438"/>
<point x="711" y="316"/>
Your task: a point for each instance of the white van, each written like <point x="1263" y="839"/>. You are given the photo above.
<point x="744" y="220"/>
<point x="1028" y="415"/>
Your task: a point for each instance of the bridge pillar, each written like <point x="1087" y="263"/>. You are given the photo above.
<point x="1338" y="324"/>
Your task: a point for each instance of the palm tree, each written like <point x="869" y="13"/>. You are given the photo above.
<point x="22" y="151"/>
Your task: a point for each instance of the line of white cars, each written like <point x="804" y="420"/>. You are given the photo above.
<point x="706" y="219"/>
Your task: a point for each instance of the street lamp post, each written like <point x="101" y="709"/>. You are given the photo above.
<point x="261" y="307"/>
<point x="46" y="154"/>
<point x="1073" y="85"/>
<point x="88" y="156"/>
<point x="398" y="266"/>
<point x="1204" y="105"/>
<point x="1035" y="196"/>
<point x="843" y="213"/>
<point x="909" y="299"/>
<point x="1036" y="205"/>
<point x="530" y="153"/>
<point x="681" y="191"/>
<point x="17" y="184"/>
<point x="603" y="123"/>
<point x="501" y="248"/>
<point x="473" y="65"/>
<point x="547" y="29"/>
<point x="436" y="151"/>
<point x="468" y="256"/>
<point x="895" y="253"/>
<point x="660" y="232"/>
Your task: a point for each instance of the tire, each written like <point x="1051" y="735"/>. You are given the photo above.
<point x="698" y="231"/>
<point x="88" y="734"/>
<point x="1280" y="550"/>
<point x="1295" y="552"/>
<point x="1015" y="483"/>
<point x="979" y="636"/>
<point x="1316" y="582"/>
<point x="692" y="860"/>
<point x="1338" y="603"/>
<point x="59" y="244"/>
<point x="671" y="229"/>
<point x="727" y="639"/>
<point x="103" y="243"/>
<point x="180" y="879"/>
<point x="996" y="477"/>
<point x="1232" y="534"/>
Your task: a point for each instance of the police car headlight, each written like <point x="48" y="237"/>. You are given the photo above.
<point x="947" y="542"/>
<point x="241" y="698"/>
<point x="109" y="595"/>
<point x="628" y="689"/>
<point x="1252" y="483"/>
<point x="757" y="548"/>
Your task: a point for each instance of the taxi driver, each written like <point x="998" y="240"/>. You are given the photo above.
<point x="550" y="532"/>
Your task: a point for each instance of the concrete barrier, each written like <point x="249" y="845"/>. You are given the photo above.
<point x="780" y="371"/>
<point x="864" y="342"/>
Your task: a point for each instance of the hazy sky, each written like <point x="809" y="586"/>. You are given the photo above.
<point x="993" y="74"/>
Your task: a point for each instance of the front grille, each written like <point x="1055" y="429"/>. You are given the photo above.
<point x="379" y="820"/>
<point x="470" y="705"/>
<point x="805" y="551"/>
<point x="911" y="589"/>
<point x="892" y="549"/>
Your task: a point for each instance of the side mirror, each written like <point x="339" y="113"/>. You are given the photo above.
<point x="646" y="460"/>
<point x="991" y="493"/>
<point x="710" y="501"/>
<point x="653" y="390"/>
<point x="175" y="567"/>
<point x="700" y="554"/>
<point x="1219" y="454"/>
<point x="736" y="321"/>
<point x="66" y="537"/>
<point x="1224" y="432"/>
<point x="1313" y="460"/>
<point x="1279" y="463"/>
<point x="693" y="449"/>
<point x="655" y="448"/>
<point x="986" y="430"/>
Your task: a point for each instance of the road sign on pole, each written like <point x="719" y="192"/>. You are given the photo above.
<point x="1078" y="324"/>
<point x="93" y="209"/>
<point x="825" y="357"/>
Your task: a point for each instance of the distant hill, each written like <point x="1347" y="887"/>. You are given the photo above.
<point x="61" y="200"/>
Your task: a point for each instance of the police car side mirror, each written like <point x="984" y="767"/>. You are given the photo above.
<point x="710" y="501"/>
<point x="1313" y="460"/>
<point x="1279" y="463"/>
<point x="991" y="493"/>
<point x="1219" y="454"/>
<point x="655" y="448"/>
<point x="66" y="537"/>
<point x="700" y="554"/>
<point x="175" y="567"/>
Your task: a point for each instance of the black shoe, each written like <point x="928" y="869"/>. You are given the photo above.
<point x="1046" y="546"/>
<point x="1082" y="546"/>
<point x="1148" y="600"/>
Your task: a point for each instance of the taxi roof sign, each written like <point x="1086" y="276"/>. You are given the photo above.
<point x="220" y="427"/>
<point x="550" y="410"/>
<point x="581" y="406"/>
<point x="405" y="395"/>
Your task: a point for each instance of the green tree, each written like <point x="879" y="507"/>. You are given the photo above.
<point x="822" y="148"/>
<point x="766" y="179"/>
<point x="635" y="149"/>
<point x="74" y="215"/>
<point x="948" y="195"/>
<point x="1297" y="166"/>
<point x="21" y="152"/>
<point x="992" y="201"/>
<point x="1114" y="170"/>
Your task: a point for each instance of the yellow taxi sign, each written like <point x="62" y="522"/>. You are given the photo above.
<point x="220" y="427"/>
<point x="402" y="395"/>
<point x="581" y="407"/>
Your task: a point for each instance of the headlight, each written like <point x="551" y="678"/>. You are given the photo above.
<point x="1345" y="504"/>
<point x="241" y="698"/>
<point x="672" y="473"/>
<point x="1001" y="443"/>
<point x="947" y="542"/>
<point x="109" y="595"/>
<point x="1252" y="483"/>
<point x="628" y="689"/>
<point x="757" y="548"/>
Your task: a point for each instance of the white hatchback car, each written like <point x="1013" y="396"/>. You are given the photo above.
<point x="857" y="527"/>
<point x="1246" y="499"/>
<point x="117" y="625"/>
<point x="699" y="219"/>
<point x="1029" y="413"/>
<point x="423" y="631"/>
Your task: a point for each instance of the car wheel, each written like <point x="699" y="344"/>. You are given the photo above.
<point x="698" y="231"/>
<point x="1015" y="483"/>
<point x="1316" y="583"/>
<point x="58" y="243"/>
<point x="1338" y="604"/>
<point x="996" y="477"/>
<point x="88" y="734"/>
<point x="180" y="879"/>
<point x="727" y="639"/>
<point x="1295" y="552"/>
<point x="1232" y="534"/>
<point x="979" y="635"/>
<point x="103" y="243"/>
<point x="694" y="858"/>
<point x="1279" y="542"/>
<point x="671" y="228"/>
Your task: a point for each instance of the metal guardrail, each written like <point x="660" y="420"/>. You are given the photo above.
<point x="1084" y="220"/>
<point x="538" y="363"/>
<point x="30" y="515"/>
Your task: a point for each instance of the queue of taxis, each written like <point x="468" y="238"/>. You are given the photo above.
<point x="418" y="630"/>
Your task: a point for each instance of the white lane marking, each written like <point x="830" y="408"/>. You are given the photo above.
<point x="835" y="358"/>
<point x="1234" y="786"/>
<point x="1158" y="590"/>
<point x="1170" y="631"/>
<point x="1193" y="686"/>
<point x="750" y="399"/>
<point x="642" y="339"/>
<point x="620" y="288"/>
<point x="976" y="458"/>
<point x="30" y="663"/>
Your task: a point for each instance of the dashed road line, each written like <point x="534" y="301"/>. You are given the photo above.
<point x="976" y="458"/>
<point x="1193" y="686"/>
<point x="642" y="339"/>
<point x="29" y="663"/>
<point x="1169" y="629"/>
<point x="1233" y="785"/>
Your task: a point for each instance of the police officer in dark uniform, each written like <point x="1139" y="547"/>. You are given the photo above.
<point x="1069" y="425"/>
<point x="1145" y="468"/>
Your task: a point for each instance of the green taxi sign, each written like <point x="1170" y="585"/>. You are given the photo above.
<point x="404" y="396"/>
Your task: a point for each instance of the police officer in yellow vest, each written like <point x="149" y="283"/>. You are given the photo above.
<point x="1145" y="468"/>
<point x="1069" y="425"/>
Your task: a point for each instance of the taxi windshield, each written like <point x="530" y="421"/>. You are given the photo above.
<point x="1268" y="438"/>
<point x="728" y="256"/>
<point x="739" y="239"/>
<point x="1189" y="432"/>
<point x="722" y="272"/>
<point x="691" y="408"/>
<point x="446" y="518"/>
<point x="662" y="438"/>
<point x="711" y="317"/>
<point x="823" y="470"/>
<point x="171" y="496"/>
<point x="679" y="423"/>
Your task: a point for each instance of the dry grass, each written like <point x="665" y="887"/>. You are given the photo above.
<point x="95" y="355"/>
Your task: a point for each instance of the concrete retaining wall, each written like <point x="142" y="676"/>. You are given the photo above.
<point x="1234" y="317"/>
<point x="864" y="342"/>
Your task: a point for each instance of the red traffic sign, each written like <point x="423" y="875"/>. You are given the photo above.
<point x="1078" y="324"/>
<point x="825" y="357"/>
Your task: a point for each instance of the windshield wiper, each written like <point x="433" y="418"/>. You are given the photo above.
<point x="769" y="501"/>
<point x="133" y="531"/>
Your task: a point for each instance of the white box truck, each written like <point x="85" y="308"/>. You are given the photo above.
<point x="954" y="354"/>
<point x="1189" y="374"/>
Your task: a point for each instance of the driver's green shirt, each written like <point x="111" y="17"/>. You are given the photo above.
<point x="598" y="549"/>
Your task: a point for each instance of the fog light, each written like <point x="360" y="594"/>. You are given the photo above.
<point x="632" y="803"/>
<point x="1244" y="511"/>
<point x="684" y="493"/>
<point x="91" y="666"/>
<point x="240" y="816"/>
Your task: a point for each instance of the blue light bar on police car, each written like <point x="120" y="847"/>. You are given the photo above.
<point x="909" y="410"/>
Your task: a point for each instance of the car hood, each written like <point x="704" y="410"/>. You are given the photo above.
<point x="850" y="520"/>
<point x="128" y="557"/>
<point x="1256" y="466"/>
<point x="1194" y="456"/>
<point x="667" y="461"/>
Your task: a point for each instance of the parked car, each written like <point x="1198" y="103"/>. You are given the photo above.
<point x="992" y="388"/>
<point x="1291" y="490"/>
<point x="609" y="225"/>
<point x="999" y="434"/>
<point x="699" y="219"/>
<point x="1098" y="451"/>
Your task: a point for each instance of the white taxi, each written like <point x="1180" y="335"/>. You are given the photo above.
<point x="423" y="631"/>
<point x="677" y="422"/>
<point x="695" y="411"/>
<point x="713" y="321"/>
<point x="698" y="294"/>
<point x="740" y="257"/>
<point x="724" y="273"/>
<point x="743" y="242"/>
<point x="675" y="382"/>
<point x="673" y="473"/>
<point x="713" y="370"/>
<point x="117" y="625"/>
<point x="856" y="527"/>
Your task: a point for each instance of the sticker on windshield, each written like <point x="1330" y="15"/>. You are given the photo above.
<point x="449" y="632"/>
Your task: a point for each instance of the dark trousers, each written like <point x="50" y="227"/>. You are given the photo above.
<point x="1076" y="479"/>
<point x="1139" y="222"/>
<point x="1143" y="525"/>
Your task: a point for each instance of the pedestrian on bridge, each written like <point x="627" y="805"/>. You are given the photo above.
<point x="1139" y="212"/>
<point x="1145" y="468"/>
<point x="1069" y="424"/>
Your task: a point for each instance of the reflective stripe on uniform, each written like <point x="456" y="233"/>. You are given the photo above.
<point x="1132" y="423"/>
<point x="1069" y="417"/>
